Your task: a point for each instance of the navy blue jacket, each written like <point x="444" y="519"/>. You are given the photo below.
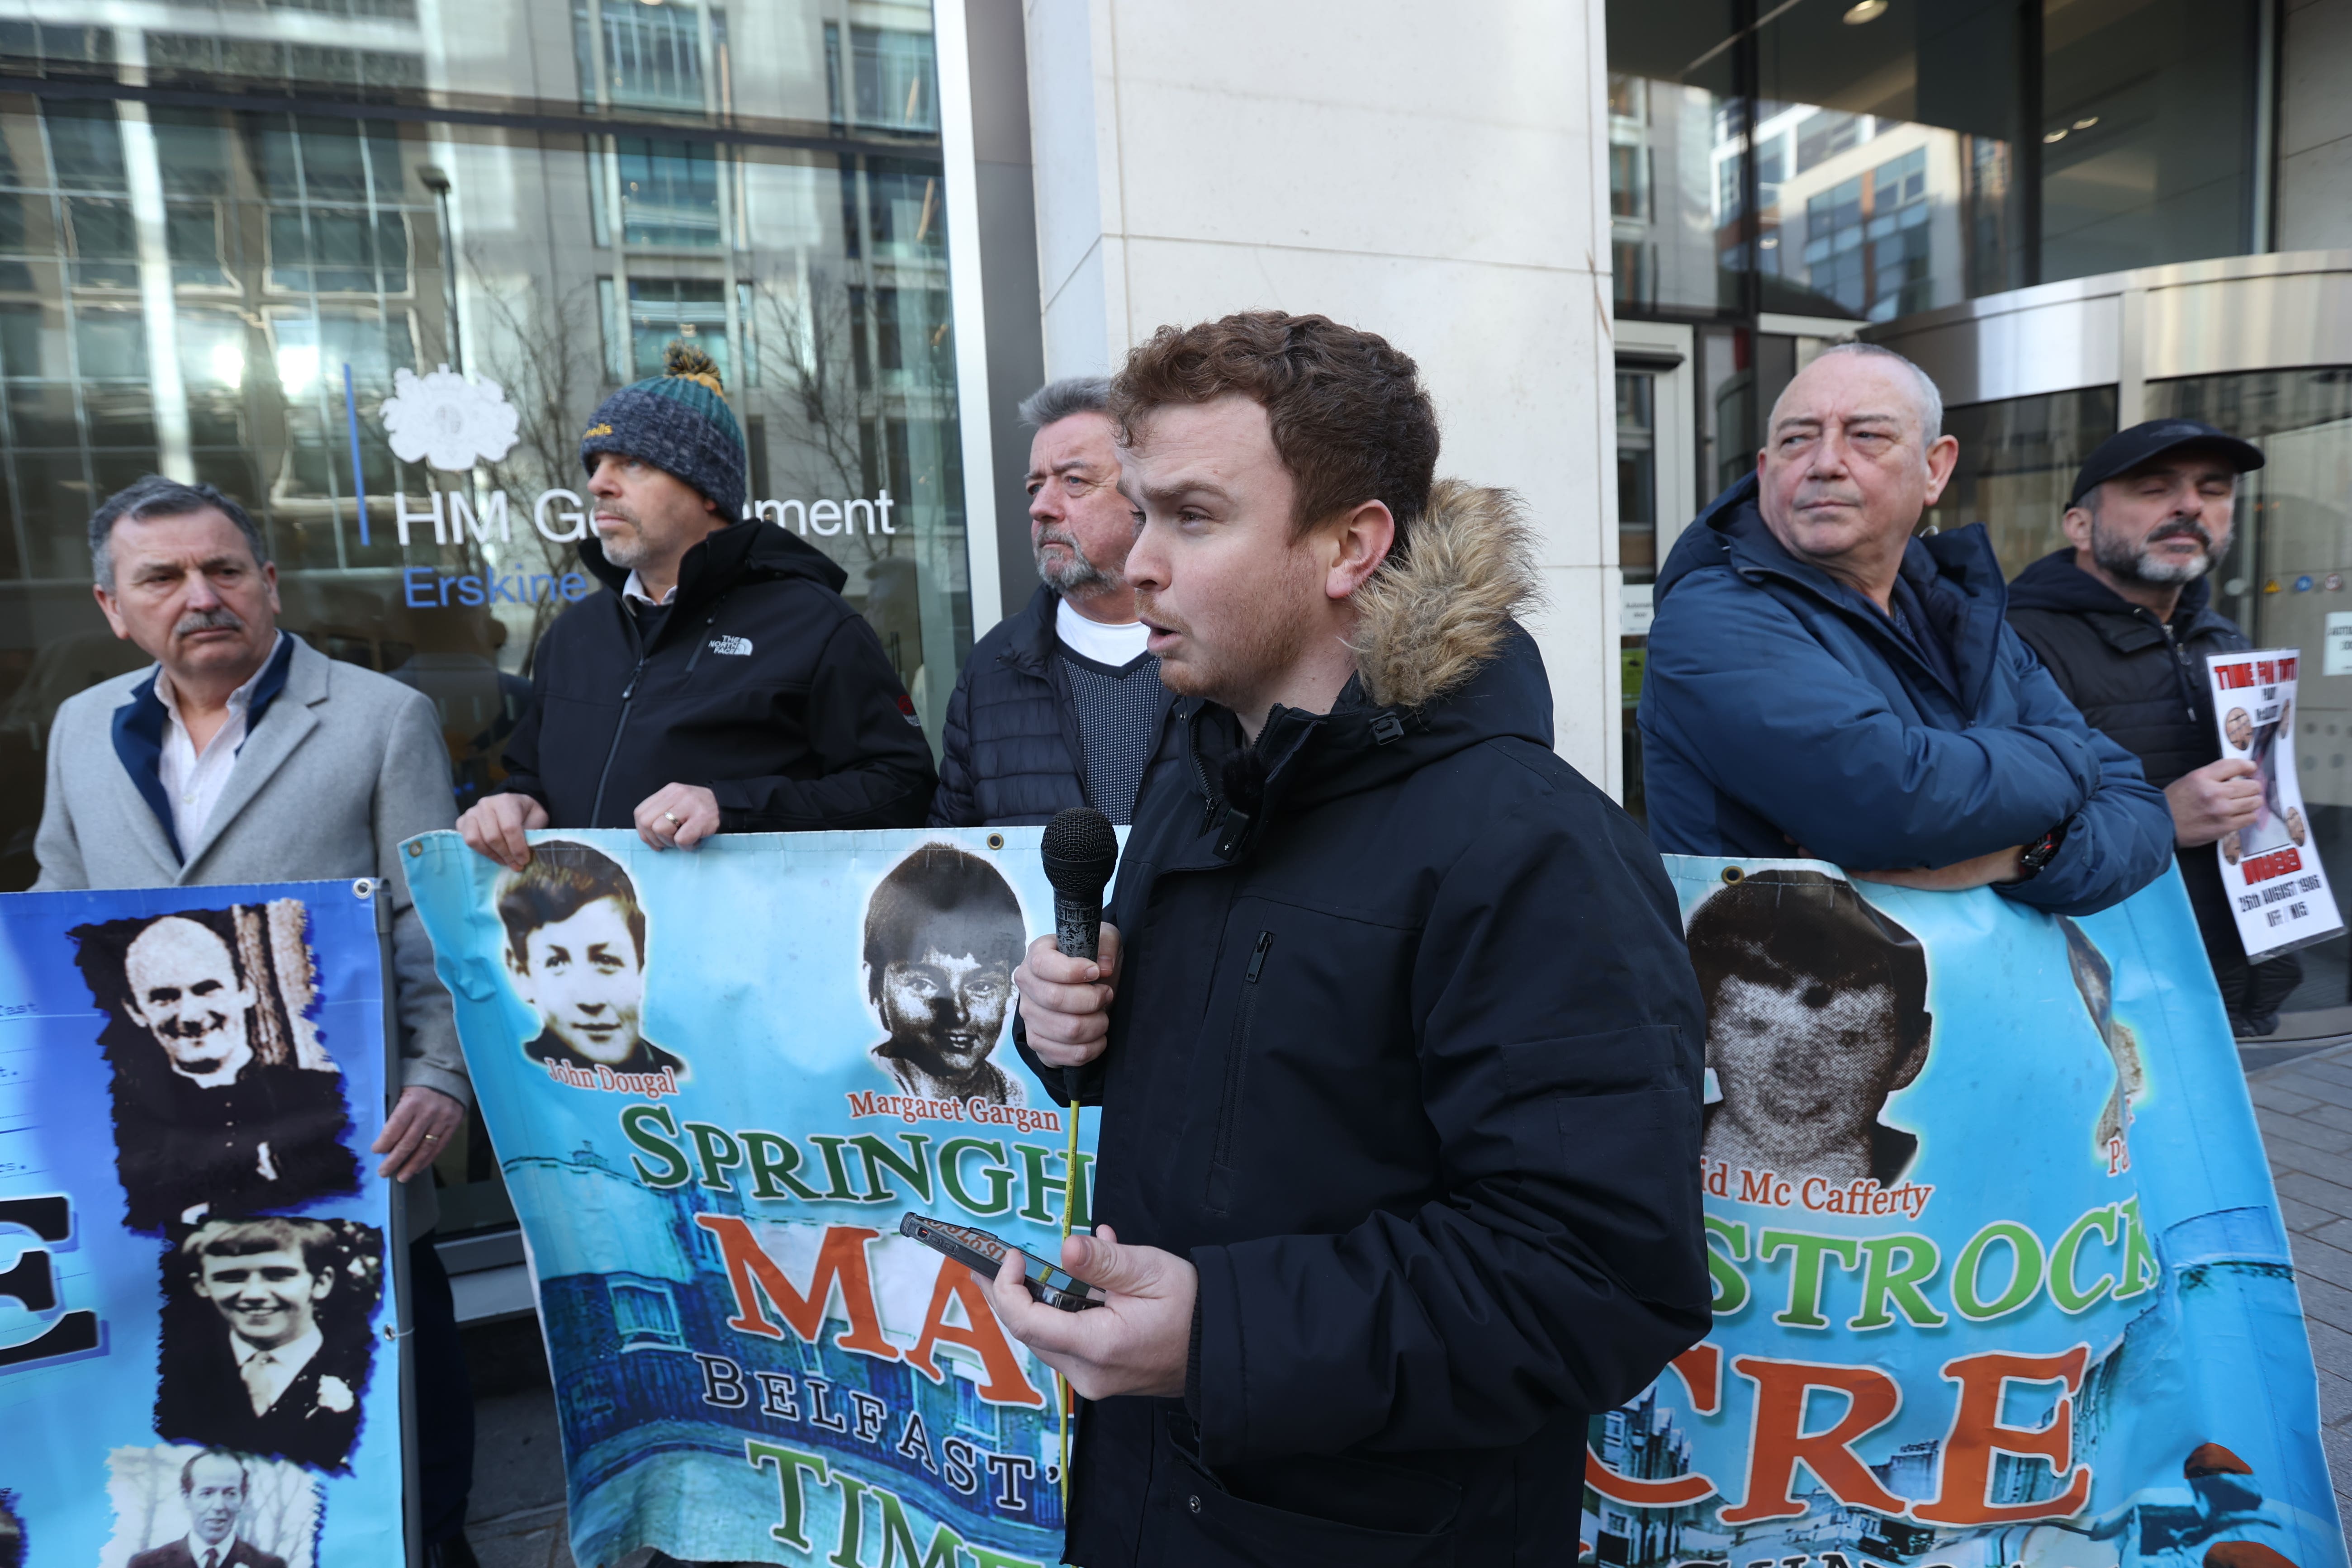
<point x="1782" y="709"/>
<point x="1406" y="1059"/>
<point x="1011" y="755"/>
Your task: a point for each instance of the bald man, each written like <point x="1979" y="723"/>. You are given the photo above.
<point x="203" y="1129"/>
<point x="1823" y="683"/>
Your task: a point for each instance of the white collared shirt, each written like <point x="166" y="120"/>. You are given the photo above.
<point x="1115" y="646"/>
<point x="221" y="1553"/>
<point x="635" y="588"/>
<point x="285" y="1363"/>
<point x="191" y="779"/>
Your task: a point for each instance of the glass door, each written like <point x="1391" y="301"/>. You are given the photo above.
<point x="1656" y="471"/>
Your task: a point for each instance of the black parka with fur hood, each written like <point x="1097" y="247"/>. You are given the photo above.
<point x="1406" y="1059"/>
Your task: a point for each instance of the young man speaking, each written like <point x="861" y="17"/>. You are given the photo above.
<point x="1396" y="1041"/>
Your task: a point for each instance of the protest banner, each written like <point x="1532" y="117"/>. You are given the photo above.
<point x="2000" y="1277"/>
<point x="195" y="1296"/>
<point x="2277" y="887"/>
<point x="717" y="1081"/>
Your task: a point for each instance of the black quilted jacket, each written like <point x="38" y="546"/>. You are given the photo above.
<point x="1012" y="753"/>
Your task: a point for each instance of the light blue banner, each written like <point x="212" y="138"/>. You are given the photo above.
<point x="194" y="1301"/>
<point x="1999" y="1276"/>
<point x="716" y="1080"/>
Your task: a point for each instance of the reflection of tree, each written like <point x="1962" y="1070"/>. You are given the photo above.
<point x="552" y="385"/>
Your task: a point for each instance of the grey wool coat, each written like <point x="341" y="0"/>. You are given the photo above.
<point x="342" y="765"/>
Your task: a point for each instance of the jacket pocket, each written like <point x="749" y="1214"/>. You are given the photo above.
<point x="1407" y="1518"/>
<point x="1229" y="1098"/>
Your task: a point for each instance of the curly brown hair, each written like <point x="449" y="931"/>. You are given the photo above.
<point x="1351" y="419"/>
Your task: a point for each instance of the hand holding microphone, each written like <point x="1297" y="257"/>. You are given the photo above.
<point x="1068" y="979"/>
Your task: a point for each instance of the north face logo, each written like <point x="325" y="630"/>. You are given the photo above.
<point x="739" y="645"/>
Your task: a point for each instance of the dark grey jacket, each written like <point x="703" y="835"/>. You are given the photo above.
<point x="1013" y="754"/>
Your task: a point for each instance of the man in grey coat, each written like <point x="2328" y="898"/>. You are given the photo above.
<point x="246" y="755"/>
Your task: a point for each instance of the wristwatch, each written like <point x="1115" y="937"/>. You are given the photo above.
<point x="2040" y="852"/>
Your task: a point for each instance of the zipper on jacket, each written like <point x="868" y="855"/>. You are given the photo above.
<point x="620" y="728"/>
<point x="2182" y="669"/>
<point x="628" y="695"/>
<point x="1229" y="1103"/>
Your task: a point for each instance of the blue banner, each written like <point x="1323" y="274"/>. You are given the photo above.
<point x="717" y="1081"/>
<point x="194" y="1297"/>
<point x="2000" y="1277"/>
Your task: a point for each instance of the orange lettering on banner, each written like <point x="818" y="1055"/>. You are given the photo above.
<point x="1780" y="1441"/>
<point x="1977" y="1433"/>
<point x="751" y="1274"/>
<point x="1701" y="1367"/>
<point x="1005" y="1384"/>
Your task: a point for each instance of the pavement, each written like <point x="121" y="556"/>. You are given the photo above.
<point x="2302" y="1098"/>
<point x="2304" y="1105"/>
<point x="515" y="1517"/>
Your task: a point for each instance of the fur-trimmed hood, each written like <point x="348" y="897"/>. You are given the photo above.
<point x="1427" y="623"/>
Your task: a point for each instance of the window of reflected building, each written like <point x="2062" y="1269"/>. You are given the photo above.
<point x="195" y="285"/>
<point x="2018" y="460"/>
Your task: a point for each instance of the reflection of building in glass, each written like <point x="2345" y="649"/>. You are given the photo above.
<point x="226" y="293"/>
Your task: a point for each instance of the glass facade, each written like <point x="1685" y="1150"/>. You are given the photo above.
<point x="1780" y="173"/>
<point x="1863" y="162"/>
<point x="244" y="243"/>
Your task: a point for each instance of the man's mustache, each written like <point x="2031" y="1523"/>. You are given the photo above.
<point x="223" y="619"/>
<point x="1066" y="540"/>
<point x="2181" y="528"/>
<point x="1147" y="607"/>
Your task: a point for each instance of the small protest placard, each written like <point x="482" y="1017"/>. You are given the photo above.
<point x="2271" y="866"/>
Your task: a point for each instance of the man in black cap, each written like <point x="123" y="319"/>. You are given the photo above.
<point x="2124" y="620"/>
<point x="722" y="685"/>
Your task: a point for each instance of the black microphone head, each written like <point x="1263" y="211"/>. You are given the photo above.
<point x="1080" y="850"/>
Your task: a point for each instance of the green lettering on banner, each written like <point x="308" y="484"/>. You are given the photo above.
<point x="718" y="1153"/>
<point x="773" y="1160"/>
<point x="1730" y="1285"/>
<point x="2063" y="1290"/>
<point x="1084" y="1215"/>
<point x="2024" y="1278"/>
<point x="916" y="1168"/>
<point x="898" y="1537"/>
<point x="2141" y="1270"/>
<point x="789" y="1463"/>
<point x="853" y="1522"/>
<point x="1882" y="1282"/>
<point x="836" y="1171"/>
<point x="1804" y="1308"/>
<point x="1039" y="1185"/>
<point x="998" y="1176"/>
<point x="636" y="1125"/>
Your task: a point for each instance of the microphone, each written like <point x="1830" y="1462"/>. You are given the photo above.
<point x="1080" y="850"/>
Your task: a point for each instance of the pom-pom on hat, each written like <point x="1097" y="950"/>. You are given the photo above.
<point x="679" y="422"/>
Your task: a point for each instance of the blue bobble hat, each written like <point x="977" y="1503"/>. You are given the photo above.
<point x="679" y="422"/>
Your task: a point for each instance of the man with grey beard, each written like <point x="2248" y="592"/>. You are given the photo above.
<point x="1060" y="705"/>
<point x="2123" y="618"/>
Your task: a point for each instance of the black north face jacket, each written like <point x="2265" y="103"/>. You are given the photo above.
<point x="759" y="683"/>
<point x="1406" y="1059"/>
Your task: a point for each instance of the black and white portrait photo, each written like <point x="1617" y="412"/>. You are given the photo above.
<point x="576" y="952"/>
<point x="1816" y="1012"/>
<point x="267" y="1345"/>
<point x="182" y="1507"/>
<point x="943" y="934"/>
<point x="226" y="1101"/>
